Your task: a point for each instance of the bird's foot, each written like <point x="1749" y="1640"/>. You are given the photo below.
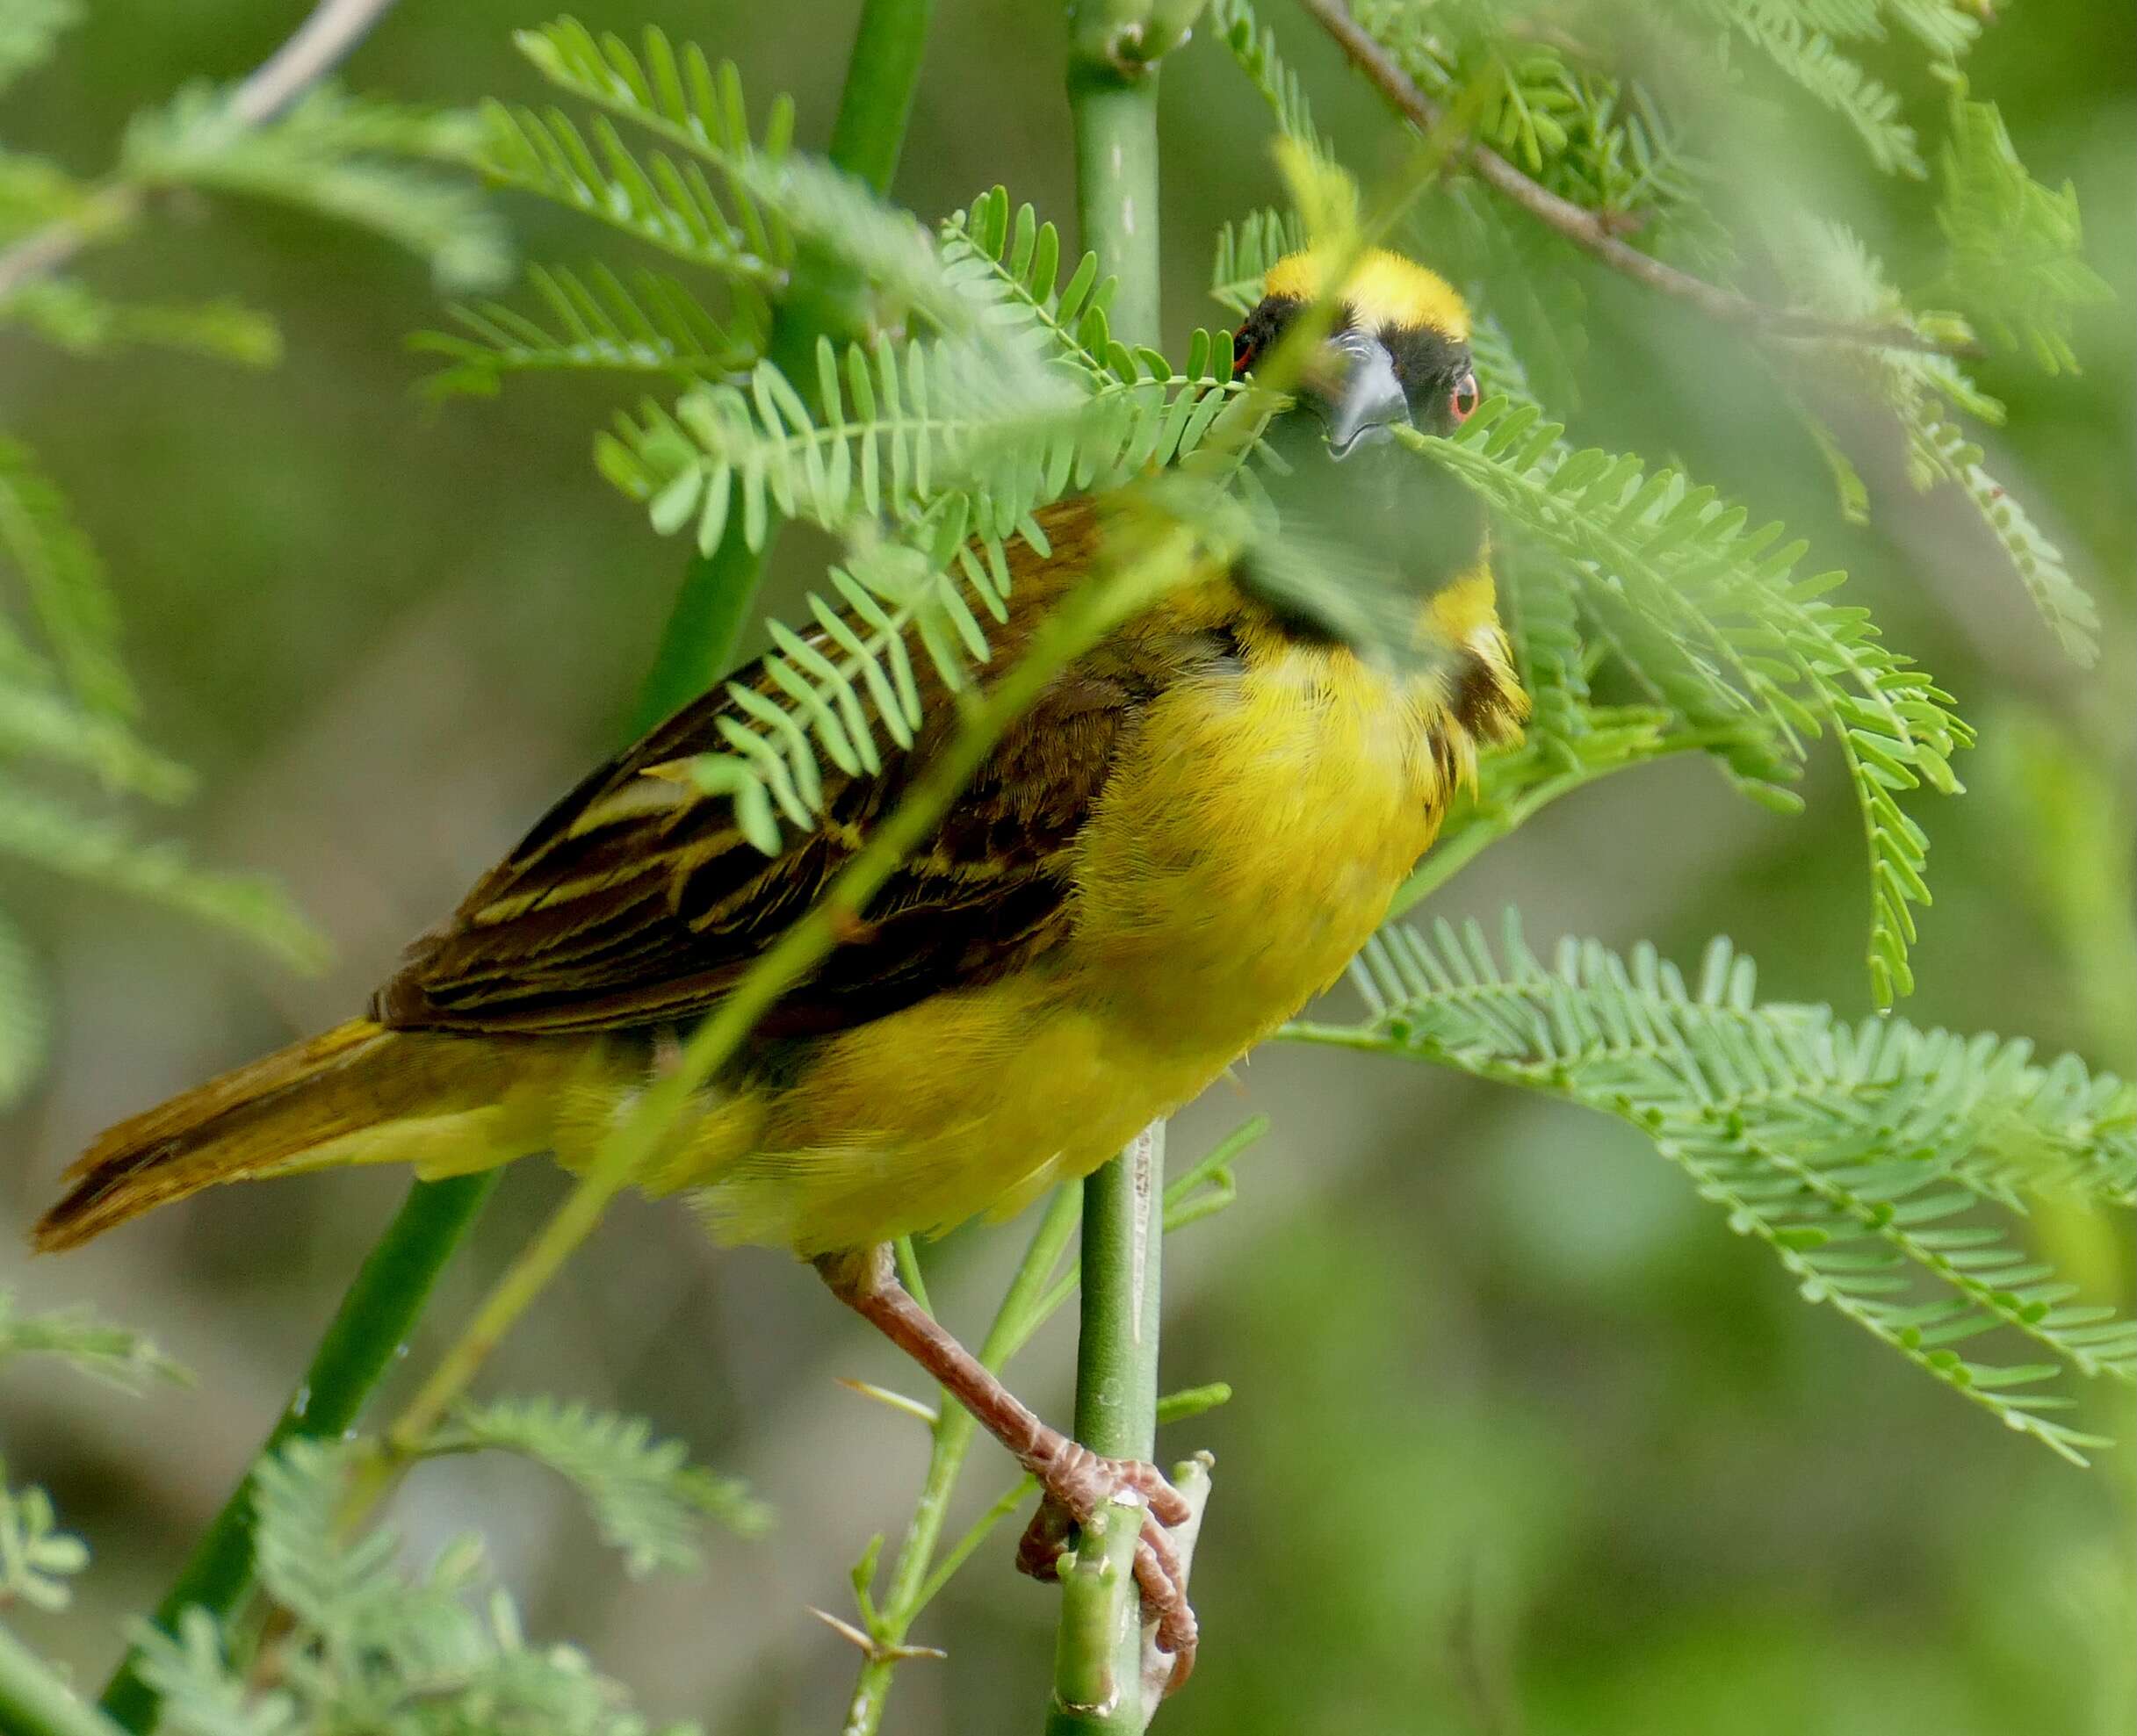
<point x="1078" y="1482"/>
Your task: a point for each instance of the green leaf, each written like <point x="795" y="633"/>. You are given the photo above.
<point x="38" y="722"/>
<point x="2015" y="262"/>
<point x="647" y="1500"/>
<point x="357" y="162"/>
<point x="78" y="1338"/>
<point x="28" y="29"/>
<point x="201" y="1693"/>
<point x="24" y="1018"/>
<point x="1715" y="616"/>
<point x="37" y="1558"/>
<point x="1804" y="53"/>
<point x="597" y="321"/>
<point x="77" y="319"/>
<point x="1861" y="1155"/>
<point x="69" y="593"/>
<point x="46" y="831"/>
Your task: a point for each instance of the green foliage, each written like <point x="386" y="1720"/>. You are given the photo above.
<point x="37" y="1558"/>
<point x="66" y="586"/>
<point x="651" y="324"/>
<point x="1861" y="1156"/>
<point x="354" y="160"/>
<point x="78" y="1338"/>
<point x="28" y="31"/>
<point x="2017" y="263"/>
<point x="1804" y="53"/>
<point x="370" y="1645"/>
<point x="947" y="446"/>
<point x="69" y="711"/>
<point x="1009" y="269"/>
<point x="1253" y="46"/>
<point x="1716" y="621"/>
<point x="649" y="1502"/>
<point x="75" y="318"/>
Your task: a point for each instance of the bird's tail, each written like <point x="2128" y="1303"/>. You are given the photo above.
<point x="357" y="1094"/>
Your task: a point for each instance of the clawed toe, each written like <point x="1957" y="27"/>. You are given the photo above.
<point x="1163" y="1586"/>
<point x="1077" y="1483"/>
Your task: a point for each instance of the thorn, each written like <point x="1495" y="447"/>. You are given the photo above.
<point x="875" y="1651"/>
<point x="896" y="1400"/>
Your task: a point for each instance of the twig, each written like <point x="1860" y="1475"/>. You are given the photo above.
<point x="1098" y="1658"/>
<point x="912" y="1585"/>
<point x="1592" y="232"/>
<point x="1099" y="1662"/>
<point x="34" y="1702"/>
<point x="318" y="44"/>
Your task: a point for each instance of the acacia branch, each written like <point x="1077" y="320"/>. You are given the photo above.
<point x="313" y="49"/>
<point x="1592" y="232"/>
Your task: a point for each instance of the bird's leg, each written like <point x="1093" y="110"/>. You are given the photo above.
<point x="1075" y="1481"/>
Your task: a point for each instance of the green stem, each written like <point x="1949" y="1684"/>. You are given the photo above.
<point x="34" y="1702"/>
<point x="1116" y="116"/>
<point x="1113" y="102"/>
<point x="698" y="645"/>
<point x="1098" y="1660"/>
<point x="911" y="1585"/>
<point x="360" y="1344"/>
<point x="881" y="77"/>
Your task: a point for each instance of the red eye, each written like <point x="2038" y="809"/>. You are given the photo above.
<point x="1244" y="350"/>
<point x="1462" y="401"/>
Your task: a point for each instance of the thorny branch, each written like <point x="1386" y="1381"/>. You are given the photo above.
<point x="1591" y="231"/>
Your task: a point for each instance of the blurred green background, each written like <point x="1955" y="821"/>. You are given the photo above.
<point x="1525" y="1440"/>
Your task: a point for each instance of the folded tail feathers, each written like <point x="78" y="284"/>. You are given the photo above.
<point x="354" y="1094"/>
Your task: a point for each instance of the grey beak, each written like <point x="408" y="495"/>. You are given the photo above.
<point x="1370" y="399"/>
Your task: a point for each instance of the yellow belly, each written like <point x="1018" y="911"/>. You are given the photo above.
<point x="1246" y="846"/>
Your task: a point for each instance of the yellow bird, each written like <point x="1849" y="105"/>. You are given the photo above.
<point x="1189" y="835"/>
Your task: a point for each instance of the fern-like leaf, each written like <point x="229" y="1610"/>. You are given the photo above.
<point x="79" y="1338"/>
<point x="1676" y="562"/>
<point x="649" y="1502"/>
<point x="65" y="581"/>
<point x="45" y="832"/>
<point x="2064" y="604"/>
<point x="1009" y="267"/>
<point x="1807" y="56"/>
<point x="1859" y="1155"/>
<point x="1246" y="251"/>
<point x="37" y="1558"/>
<point x="2015" y="262"/>
<point x="361" y="162"/>
<point x="77" y="319"/>
<point x="653" y="325"/>
<point x="1253" y="46"/>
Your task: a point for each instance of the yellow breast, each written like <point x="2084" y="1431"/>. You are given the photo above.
<point x="1250" y="842"/>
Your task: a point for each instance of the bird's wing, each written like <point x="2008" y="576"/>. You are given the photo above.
<point x="636" y="901"/>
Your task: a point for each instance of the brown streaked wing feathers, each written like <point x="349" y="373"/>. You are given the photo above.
<point x="634" y="901"/>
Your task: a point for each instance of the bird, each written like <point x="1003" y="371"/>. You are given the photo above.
<point x="1188" y="836"/>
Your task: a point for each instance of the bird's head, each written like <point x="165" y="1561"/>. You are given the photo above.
<point x="1350" y="499"/>
<point x="1398" y="351"/>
